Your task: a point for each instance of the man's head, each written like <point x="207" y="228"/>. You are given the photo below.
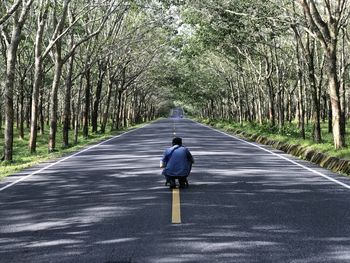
<point x="177" y="141"/>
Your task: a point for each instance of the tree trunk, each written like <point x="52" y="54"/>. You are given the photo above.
<point x="78" y="112"/>
<point x="19" y="18"/>
<point x="125" y="115"/>
<point x="94" y="115"/>
<point x="260" y="113"/>
<point x="28" y="107"/>
<point x="325" y="106"/>
<point x="54" y="95"/>
<point x="86" y="105"/>
<point x="41" y="113"/>
<point x="67" y="100"/>
<point x="34" y="108"/>
<point x="120" y="93"/>
<point x="8" y="89"/>
<point x="272" y="114"/>
<point x="21" y="111"/>
<point x="338" y="137"/>
<point x="0" y="117"/>
<point x="301" y="105"/>
<point x="330" y="117"/>
<point x="17" y="112"/>
<point x="343" y="89"/>
<point x="8" y="99"/>
<point x="71" y="118"/>
<point x="38" y="76"/>
<point x="105" y="114"/>
<point x="310" y="54"/>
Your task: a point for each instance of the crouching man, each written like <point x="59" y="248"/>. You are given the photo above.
<point x="177" y="163"/>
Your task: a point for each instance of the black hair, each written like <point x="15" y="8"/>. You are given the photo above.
<point x="177" y="141"/>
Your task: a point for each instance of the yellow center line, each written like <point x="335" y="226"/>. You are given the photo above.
<point x="176" y="213"/>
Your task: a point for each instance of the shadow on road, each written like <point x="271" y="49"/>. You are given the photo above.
<point x="109" y="204"/>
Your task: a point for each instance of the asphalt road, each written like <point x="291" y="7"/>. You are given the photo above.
<point x="109" y="204"/>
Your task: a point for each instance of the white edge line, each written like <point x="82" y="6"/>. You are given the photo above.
<point x="282" y="157"/>
<point x="68" y="157"/>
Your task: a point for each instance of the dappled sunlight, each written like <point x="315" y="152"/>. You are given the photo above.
<point x="116" y="241"/>
<point x="110" y="204"/>
<point x="54" y="243"/>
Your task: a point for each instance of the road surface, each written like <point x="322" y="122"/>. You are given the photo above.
<point x="109" y="204"/>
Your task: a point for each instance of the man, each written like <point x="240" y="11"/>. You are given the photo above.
<point x="177" y="163"/>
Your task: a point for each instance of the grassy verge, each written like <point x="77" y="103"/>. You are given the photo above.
<point x="290" y="134"/>
<point x="23" y="159"/>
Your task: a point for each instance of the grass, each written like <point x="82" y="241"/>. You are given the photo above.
<point x="289" y="134"/>
<point x="23" y="159"/>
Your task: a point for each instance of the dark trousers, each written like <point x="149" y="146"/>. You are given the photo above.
<point x="172" y="180"/>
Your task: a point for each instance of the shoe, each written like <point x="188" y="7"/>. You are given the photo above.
<point x="183" y="183"/>
<point x="186" y="184"/>
<point x="172" y="184"/>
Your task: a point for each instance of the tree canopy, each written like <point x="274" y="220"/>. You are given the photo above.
<point x="89" y="66"/>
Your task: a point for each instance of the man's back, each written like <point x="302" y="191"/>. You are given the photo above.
<point x="180" y="161"/>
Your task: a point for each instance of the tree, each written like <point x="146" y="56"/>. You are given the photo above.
<point x="327" y="30"/>
<point x="12" y="43"/>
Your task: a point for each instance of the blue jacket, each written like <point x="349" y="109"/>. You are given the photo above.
<point x="180" y="162"/>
